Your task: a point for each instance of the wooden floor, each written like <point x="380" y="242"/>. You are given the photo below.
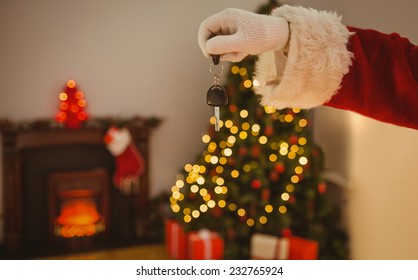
<point x="143" y="252"/>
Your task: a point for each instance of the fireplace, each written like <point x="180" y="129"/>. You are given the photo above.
<point x="58" y="192"/>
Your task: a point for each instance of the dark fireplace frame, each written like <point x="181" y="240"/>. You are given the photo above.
<point x="16" y="140"/>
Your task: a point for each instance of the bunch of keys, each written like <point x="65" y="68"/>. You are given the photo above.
<point x="216" y="95"/>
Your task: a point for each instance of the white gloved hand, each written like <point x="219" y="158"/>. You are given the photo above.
<point x="241" y="33"/>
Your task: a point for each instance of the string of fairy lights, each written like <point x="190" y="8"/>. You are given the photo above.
<point x="217" y="155"/>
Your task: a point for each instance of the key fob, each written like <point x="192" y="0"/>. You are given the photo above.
<point x="217" y="96"/>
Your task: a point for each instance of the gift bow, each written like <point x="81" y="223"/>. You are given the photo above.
<point x="205" y="235"/>
<point x="283" y="248"/>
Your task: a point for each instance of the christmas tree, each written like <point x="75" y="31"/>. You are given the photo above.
<point x="260" y="173"/>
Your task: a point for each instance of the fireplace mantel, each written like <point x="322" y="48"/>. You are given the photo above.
<point x="17" y="139"/>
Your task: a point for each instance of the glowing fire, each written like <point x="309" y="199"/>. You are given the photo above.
<point x="79" y="217"/>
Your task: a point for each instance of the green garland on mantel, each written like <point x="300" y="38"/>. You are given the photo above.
<point x="97" y="123"/>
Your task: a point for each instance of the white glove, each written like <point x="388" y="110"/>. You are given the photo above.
<point x="241" y="33"/>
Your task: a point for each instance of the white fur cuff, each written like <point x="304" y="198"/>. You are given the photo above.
<point x="317" y="61"/>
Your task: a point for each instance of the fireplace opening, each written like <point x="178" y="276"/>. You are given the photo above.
<point x="78" y="217"/>
<point x="78" y="207"/>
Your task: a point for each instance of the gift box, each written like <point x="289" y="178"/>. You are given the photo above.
<point x="205" y="245"/>
<point x="175" y="240"/>
<point x="270" y="247"/>
<point x="302" y="249"/>
<point x="263" y="246"/>
<point x="296" y="248"/>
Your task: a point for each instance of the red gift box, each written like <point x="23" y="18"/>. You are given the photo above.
<point x="302" y="249"/>
<point x="296" y="248"/>
<point x="205" y="245"/>
<point x="175" y="240"/>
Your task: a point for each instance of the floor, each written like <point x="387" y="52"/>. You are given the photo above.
<point x="143" y="252"/>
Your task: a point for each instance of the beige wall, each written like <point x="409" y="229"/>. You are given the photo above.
<point x="141" y="57"/>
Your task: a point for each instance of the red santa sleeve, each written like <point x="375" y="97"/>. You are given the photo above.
<point x="383" y="80"/>
<point x="364" y="71"/>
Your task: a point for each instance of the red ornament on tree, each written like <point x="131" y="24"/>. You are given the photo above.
<point x="293" y="140"/>
<point x="265" y="194"/>
<point x="268" y="131"/>
<point x="256" y="184"/>
<point x="255" y="151"/>
<point x="72" y="105"/>
<point x="322" y="187"/>
<point x="274" y="175"/>
<point x="279" y="167"/>
<point x="242" y="151"/>
<point x="286" y="232"/>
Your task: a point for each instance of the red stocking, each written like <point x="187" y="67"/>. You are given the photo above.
<point x="130" y="164"/>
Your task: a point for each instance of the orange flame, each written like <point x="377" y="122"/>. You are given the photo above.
<point x="79" y="218"/>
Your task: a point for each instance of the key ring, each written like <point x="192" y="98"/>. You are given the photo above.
<point x="216" y="73"/>
<point x="216" y="79"/>
<point x="215" y="61"/>
<point x="216" y="76"/>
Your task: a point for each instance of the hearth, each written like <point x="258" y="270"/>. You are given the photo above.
<point x="58" y="191"/>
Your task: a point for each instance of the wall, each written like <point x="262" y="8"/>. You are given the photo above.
<point x="141" y="57"/>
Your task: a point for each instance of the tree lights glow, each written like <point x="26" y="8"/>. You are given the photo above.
<point x="242" y="139"/>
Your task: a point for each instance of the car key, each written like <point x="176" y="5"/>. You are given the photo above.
<point x="216" y="95"/>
